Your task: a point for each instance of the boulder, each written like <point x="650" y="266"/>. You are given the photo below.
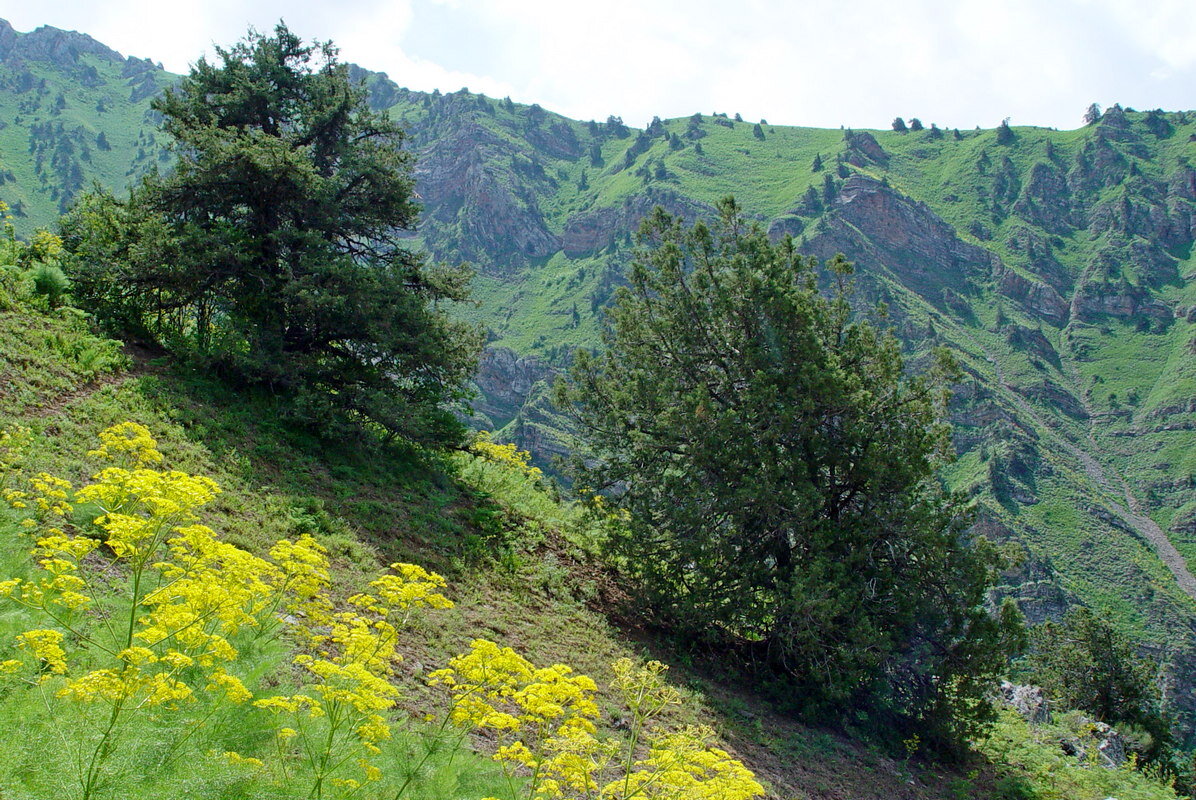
<point x="1028" y="701"/>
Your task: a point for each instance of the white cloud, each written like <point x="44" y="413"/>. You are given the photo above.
<point x="813" y="62"/>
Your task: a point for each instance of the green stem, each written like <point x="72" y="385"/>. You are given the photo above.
<point x="102" y="751"/>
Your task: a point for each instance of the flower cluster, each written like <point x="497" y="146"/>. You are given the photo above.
<point x="545" y="722"/>
<point x="170" y="638"/>
<point x="349" y="661"/>
<point x="485" y="447"/>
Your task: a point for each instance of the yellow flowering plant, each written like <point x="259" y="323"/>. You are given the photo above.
<point x="486" y="448"/>
<point x="338" y="718"/>
<point x="168" y="637"/>
<point x="545" y="724"/>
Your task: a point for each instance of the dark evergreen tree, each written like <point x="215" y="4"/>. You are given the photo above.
<point x="777" y="461"/>
<point x="1085" y="663"/>
<point x="829" y="188"/>
<point x="758" y="131"/>
<point x="1092" y="114"/>
<point x="816" y="164"/>
<point x="275" y="250"/>
<point x="899" y="125"/>
<point x="1005" y="134"/>
<point x="915" y="124"/>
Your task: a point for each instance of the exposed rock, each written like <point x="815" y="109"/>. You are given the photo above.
<point x="557" y="140"/>
<point x="1056" y="397"/>
<point x="1038" y="298"/>
<point x="1107" y="742"/>
<point x="475" y="212"/>
<point x="787" y="225"/>
<point x="1045" y="200"/>
<point x="1033" y="341"/>
<point x="50" y="44"/>
<point x="1098" y="165"/>
<point x="879" y="228"/>
<point x="1182" y="183"/>
<point x="506" y="381"/>
<point x="863" y="150"/>
<point x="590" y="231"/>
<point x="1094" y="300"/>
<point x="143" y="87"/>
<point x="1184" y="522"/>
<point x="1040" y="258"/>
<point x="1028" y="701"/>
<point x="382" y="92"/>
<point x="957" y="303"/>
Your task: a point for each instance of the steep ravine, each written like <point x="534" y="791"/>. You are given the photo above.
<point x="1146" y="527"/>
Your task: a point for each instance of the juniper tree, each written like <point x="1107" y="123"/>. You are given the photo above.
<point x="777" y="461"/>
<point x="274" y="250"/>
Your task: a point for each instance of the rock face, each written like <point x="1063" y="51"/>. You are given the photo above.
<point x="475" y="209"/>
<point x="882" y="230"/>
<point x="50" y="44"/>
<point x="1038" y="298"/>
<point x="1046" y="199"/>
<point x="1097" y="740"/>
<point x="1095" y="300"/>
<point x="506" y="381"/>
<point x="590" y="231"/>
<point x="1028" y="701"/>
<point x="863" y="150"/>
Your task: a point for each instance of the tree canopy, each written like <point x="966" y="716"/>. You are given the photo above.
<point x="274" y="249"/>
<point x="777" y="461"/>
<point x="1085" y="663"/>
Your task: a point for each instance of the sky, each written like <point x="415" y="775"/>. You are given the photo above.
<point x="823" y="63"/>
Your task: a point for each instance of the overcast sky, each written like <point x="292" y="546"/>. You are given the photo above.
<point x="825" y="63"/>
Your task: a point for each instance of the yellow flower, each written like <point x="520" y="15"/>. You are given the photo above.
<point x="234" y="690"/>
<point x="240" y="760"/>
<point x="130" y="441"/>
<point x="46" y="645"/>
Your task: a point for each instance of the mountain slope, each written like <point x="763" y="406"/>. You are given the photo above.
<point x="1056" y="264"/>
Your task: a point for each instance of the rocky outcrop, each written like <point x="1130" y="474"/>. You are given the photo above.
<point x="1094" y="300"/>
<point x="476" y="209"/>
<point x="1056" y="397"/>
<point x="1036" y="297"/>
<point x="1028" y="701"/>
<point x="1032" y="341"/>
<point x="50" y="44"/>
<point x="1097" y="741"/>
<point x="506" y="381"/>
<point x="590" y="231"/>
<point x="557" y="140"/>
<point x="863" y="150"/>
<point x="1045" y="200"/>
<point x="878" y="228"/>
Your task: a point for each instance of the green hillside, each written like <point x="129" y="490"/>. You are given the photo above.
<point x="1056" y="264"/>
<point x="523" y="568"/>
